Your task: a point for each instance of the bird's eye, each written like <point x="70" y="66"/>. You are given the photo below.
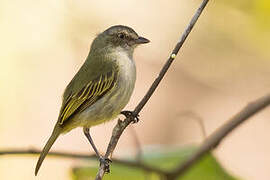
<point x="121" y="36"/>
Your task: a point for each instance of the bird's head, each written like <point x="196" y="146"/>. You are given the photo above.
<point x="119" y="36"/>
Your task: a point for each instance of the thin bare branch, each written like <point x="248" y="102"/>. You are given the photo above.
<point x="215" y="138"/>
<point x="194" y="117"/>
<point x="209" y="144"/>
<point x="37" y="152"/>
<point x="121" y="125"/>
<point x="133" y="164"/>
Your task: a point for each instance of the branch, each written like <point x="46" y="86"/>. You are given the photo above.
<point x="215" y="138"/>
<point x="209" y="144"/>
<point x="195" y="117"/>
<point x="121" y="125"/>
<point x="133" y="164"/>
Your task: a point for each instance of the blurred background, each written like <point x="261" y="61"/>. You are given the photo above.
<point x="223" y="65"/>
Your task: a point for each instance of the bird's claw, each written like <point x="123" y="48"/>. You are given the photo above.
<point x="106" y="162"/>
<point x="131" y="114"/>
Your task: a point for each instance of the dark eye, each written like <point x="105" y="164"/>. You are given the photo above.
<point x="121" y="36"/>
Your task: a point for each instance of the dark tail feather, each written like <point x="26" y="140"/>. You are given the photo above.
<point x="56" y="132"/>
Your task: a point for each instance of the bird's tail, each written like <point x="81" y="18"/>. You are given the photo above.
<point x="56" y="132"/>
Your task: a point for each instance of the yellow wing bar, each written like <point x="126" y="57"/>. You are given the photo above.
<point x="89" y="94"/>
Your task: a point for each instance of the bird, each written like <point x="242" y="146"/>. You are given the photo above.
<point x="101" y="88"/>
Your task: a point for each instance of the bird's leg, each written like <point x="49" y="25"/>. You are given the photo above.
<point x="102" y="160"/>
<point x="131" y="114"/>
<point x="88" y="136"/>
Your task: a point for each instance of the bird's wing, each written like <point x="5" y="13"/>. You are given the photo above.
<point x="87" y="95"/>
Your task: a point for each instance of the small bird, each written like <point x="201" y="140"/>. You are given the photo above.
<point x="101" y="88"/>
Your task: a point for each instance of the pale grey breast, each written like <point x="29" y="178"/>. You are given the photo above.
<point x="111" y="104"/>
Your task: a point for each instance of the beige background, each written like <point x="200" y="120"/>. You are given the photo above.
<point x="223" y="65"/>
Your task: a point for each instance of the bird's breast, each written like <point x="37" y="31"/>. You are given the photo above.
<point x="126" y="79"/>
<point x="112" y="103"/>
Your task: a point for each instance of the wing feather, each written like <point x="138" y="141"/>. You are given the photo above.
<point x="88" y="95"/>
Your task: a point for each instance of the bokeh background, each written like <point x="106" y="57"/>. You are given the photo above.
<point x="223" y="65"/>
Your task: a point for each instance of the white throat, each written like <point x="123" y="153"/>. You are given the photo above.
<point x="127" y="68"/>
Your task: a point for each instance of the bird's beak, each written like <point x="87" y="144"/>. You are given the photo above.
<point x="141" y="40"/>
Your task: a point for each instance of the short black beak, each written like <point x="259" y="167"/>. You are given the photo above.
<point x="142" y="40"/>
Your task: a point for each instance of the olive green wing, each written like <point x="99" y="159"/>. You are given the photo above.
<point x="87" y="96"/>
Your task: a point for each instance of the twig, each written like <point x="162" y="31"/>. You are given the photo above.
<point x="121" y="125"/>
<point x="210" y="143"/>
<point x="195" y="117"/>
<point x="134" y="164"/>
<point x="37" y="152"/>
<point x="215" y="138"/>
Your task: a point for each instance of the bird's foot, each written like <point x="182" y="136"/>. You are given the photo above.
<point x="131" y="114"/>
<point x="106" y="163"/>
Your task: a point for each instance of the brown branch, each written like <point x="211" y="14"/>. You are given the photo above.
<point x="209" y="144"/>
<point x="133" y="164"/>
<point x="37" y="152"/>
<point x="194" y="117"/>
<point x="121" y="125"/>
<point x="215" y="138"/>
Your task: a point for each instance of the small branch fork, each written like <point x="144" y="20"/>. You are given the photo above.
<point x="132" y="164"/>
<point x="209" y="144"/>
<point x="121" y="125"/>
<point x="215" y="138"/>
